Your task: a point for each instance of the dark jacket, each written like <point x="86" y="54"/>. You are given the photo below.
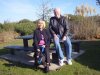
<point x="59" y="26"/>
<point x="37" y="37"/>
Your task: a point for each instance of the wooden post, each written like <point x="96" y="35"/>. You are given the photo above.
<point x="25" y="42"/>
<point x="77" y="47"/>
<point x="54" y="57"/>
<point x="12" y="52"/>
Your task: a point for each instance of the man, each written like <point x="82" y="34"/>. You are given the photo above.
<point x="59" y="30"/>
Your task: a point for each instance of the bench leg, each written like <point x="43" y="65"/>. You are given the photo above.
<point x="54" y="57"/>
<point x="12" y="52"/>
<point x="25" y="42"/>
<point x="77" y="47"/>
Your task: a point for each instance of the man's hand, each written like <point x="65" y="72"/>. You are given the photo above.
<point x="55" y="36"/>
<point x="64" y="38"/>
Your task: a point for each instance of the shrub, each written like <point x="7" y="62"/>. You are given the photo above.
<point x="84" y="29"/>
<point x="24" y="21"/>
<point x="25" y="28"/>
<point x="1" y="27"/>
<point x="8" y="27"/>
<point x="75" y="18"/>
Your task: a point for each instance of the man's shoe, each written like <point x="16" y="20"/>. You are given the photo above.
<point x="69" y="62"/>
<point x="61" y="62"/>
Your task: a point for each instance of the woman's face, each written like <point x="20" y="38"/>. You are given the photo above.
<point x="40" y="24"/>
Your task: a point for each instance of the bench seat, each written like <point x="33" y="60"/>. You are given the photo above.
<point x="75" y="43"/>
<point x="21" y="48"/>
<point x="18" y="48"/>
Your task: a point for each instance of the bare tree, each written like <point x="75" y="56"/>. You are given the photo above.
<point x="44" y="11"/>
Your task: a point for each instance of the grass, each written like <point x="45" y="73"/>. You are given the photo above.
<point x="86" y="64"/>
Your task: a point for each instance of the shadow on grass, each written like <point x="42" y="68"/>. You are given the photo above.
<point x="4" y="51"/>
<point x="91" y="57"/>
<point x="17" y="64"/>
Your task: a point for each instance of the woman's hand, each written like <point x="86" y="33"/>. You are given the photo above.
<point x="38" y="50"/>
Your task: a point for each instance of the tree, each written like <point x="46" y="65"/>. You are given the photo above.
<point x="84" y="10"/>
<point x="44" y="11"/>
<point x="98" y="2"/>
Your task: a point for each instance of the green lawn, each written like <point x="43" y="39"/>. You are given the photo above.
<point x="86" y="64"/>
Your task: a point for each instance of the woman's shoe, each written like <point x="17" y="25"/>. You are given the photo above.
<point x="46" y="69"/>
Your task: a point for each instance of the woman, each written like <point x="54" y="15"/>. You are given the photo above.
<point x="41" y="45"/>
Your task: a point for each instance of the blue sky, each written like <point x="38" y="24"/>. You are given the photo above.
<point x="15" y="10"/>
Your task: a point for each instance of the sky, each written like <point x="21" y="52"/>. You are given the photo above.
<point x="15" y="10"/>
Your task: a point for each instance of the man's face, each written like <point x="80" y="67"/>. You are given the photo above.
<point x="57" y="13"/>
